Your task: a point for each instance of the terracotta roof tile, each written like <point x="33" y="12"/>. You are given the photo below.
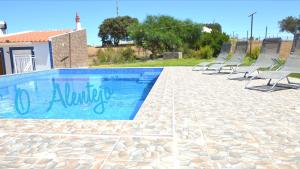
<point x="34" y="36"/>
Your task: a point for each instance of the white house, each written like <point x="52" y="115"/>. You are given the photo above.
<point x="206" y="29"/>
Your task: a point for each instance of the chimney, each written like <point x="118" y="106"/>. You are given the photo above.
<point x="78" y="24"/>
<point x="3" y="28"/>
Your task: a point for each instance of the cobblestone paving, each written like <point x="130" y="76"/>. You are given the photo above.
<point x="189" y="120"/>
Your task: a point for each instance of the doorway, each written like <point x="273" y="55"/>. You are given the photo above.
<point x="2" y="62"/>
<point x="22" y="59"/>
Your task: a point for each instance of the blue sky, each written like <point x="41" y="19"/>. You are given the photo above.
<point x="22" y="15"/>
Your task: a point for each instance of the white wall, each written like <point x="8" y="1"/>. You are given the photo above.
<point x="42" y="54"/>
<point x="41" y="51"/>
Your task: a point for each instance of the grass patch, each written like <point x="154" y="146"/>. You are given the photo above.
<point x="158" y="63"/>
<point x="295" y="75"/>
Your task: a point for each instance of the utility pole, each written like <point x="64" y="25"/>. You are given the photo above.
<point x="117" y="7"/>
<point x="247" y="35"/>
<point x="251" y="33"/>
<point x="298" y="26"/>
<point x="266" y="34"/>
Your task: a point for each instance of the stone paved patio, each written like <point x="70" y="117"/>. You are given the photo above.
<point x="189" y="120"/>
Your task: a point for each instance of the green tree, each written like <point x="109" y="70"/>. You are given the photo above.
<point x="112" y="30"/>
<point x="164" y="33"/>
<point x="289" y="24"/>
<point x="190" y="33"/>
<point x="215" y="39"/>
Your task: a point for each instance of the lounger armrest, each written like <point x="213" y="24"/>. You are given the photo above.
<point x="276" y="61"/>
<point x="272" y="66"/>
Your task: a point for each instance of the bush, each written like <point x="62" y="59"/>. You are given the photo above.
<point x="205" y="52"/>
<point x="186" y="51"/>
<point x="102" y="56"/>
<point x="111" y="55"/>
<point x="215" y="39"/>
<point x="254" y="54"/>
<point x="128" y="54"/>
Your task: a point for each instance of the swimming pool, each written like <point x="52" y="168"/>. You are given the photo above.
<point x="86" y="94"/>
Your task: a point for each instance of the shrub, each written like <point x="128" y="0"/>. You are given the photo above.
<point x="102" y="56"/>
<point x="195" y="54"/>
<point x="215" y="39"/>
<point x="250" y="59"/>
<point x="111" y="55"/>
<point x="186" y="51"/>
<point x="254" y="54"/>
<point x="128" y="54"/>
<point x="206" y="52"/>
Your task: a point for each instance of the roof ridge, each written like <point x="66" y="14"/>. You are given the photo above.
<point x="33" y="36"/>
<point x="13" y="34"/>
<point x="52" y="30"/>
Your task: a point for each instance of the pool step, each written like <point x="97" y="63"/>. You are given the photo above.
<point x="147" y="77"/>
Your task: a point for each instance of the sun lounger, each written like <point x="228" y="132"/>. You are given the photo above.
<point x="222" y="57"/>
<point x="266" y="59"/>
<point x="236" y="59"/>
<point x="292" y="65"/>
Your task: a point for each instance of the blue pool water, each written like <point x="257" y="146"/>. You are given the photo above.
<point x="91" y="94"/>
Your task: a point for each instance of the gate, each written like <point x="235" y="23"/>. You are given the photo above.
<point x="24" y="63"/>
<point x="23" y="59"/>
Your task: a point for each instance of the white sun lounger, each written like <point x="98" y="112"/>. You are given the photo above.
<point x="292" y="65"/>
<point x="222" y="57"/>
<point x="236" y="59"/>
<point x="266" y="59"/>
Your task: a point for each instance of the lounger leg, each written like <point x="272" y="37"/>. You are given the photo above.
<point x="271" y="89"/>
<point x="288" y="80"/>
<point x="217" y="71"/>
<point x="234" y="68"/>
<point x="269" y="82"/>
<point x="247" y="84"/>
<point x="220" y="70"/>
<point x="229" y="76"/>
<point x="234" y="71"/>
<point x="248" y="74"/>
